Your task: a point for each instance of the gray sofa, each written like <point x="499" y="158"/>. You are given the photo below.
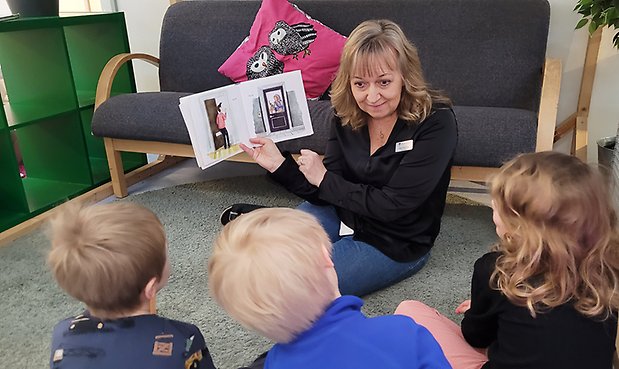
<point x="487" y="55"/>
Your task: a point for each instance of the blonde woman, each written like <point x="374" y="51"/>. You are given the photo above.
<point x="271" y="270"/>
<point x="547" y="296"/>
<point x="380" y="191"/>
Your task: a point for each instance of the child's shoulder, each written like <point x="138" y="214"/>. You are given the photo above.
<point x="487" y="261"/>
<point x="147" y="325"/>
<point x="142" y="337"/>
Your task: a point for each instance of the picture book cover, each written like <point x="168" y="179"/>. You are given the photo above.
<point x="219" y="119"/>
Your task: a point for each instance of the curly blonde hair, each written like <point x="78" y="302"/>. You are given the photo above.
<point x="371" y="44"/>
<point x="560" y="243"/>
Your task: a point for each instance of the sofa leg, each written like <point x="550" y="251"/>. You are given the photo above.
<point x="114" y="161"/>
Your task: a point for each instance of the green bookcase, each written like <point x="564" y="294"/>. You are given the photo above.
<point x="51" y="66"/>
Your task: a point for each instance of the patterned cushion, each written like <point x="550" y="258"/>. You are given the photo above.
<point x="284" y="38"/>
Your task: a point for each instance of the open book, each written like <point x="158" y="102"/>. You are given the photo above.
<point x="218" y="120"/>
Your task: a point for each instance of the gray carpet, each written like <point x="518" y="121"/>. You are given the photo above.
<point x="31" y="303"/>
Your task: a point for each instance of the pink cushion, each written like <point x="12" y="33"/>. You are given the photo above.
<point x="283" y="38"/>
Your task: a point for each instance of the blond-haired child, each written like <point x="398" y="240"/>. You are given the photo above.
<point x="547" y="296"/>
<point x="271" y="270"/>
<point x="113" y="258"/>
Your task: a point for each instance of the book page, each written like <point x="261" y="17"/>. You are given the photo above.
<point x="215" y="124"/>
<point x="277" y="107"/>
<point x="219" y="120"/>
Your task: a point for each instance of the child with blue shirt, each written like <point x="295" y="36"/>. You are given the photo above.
<point x="271" y="270"/>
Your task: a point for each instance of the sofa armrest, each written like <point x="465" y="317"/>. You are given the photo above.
<point x="549" y="102"/>
<point x="106" y="79"/>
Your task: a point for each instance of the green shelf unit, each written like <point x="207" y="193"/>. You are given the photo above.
<point x="36" y="74"/>
<point x="96" y="152"/>
<point x="87" y="62"/>
<point x="13" y="202"/>
<point x="51" y="66"/>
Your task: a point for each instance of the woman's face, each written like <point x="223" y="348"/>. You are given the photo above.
<point x="378" y="94"/>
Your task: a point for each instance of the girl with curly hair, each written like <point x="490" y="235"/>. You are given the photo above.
<point x="547" y="295"/>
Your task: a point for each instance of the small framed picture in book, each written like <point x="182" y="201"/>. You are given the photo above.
<point x="276" y="108"/>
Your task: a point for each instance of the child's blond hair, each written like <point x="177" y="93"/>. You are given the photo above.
<point x="104" y="255"/>
<point x="268" y="271"/>
<point x="561" y="243"/>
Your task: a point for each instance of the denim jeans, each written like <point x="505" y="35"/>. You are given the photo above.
<point x="361" y="268"/>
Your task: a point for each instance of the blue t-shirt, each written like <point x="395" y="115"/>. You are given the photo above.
<point x="143" y="341"/>
<point x="345" y="338"/>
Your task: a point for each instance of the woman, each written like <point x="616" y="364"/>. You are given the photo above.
<point x="387" y="163"/>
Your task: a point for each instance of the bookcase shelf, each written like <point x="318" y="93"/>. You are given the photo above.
<point x="50" y="68"/>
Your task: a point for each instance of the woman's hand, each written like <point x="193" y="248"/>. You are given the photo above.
<point x="463" y="307"/>
<point x="267" y="155"/>
<point x="310" y="164"/>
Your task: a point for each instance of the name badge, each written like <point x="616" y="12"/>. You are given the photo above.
<point x="404" y="146"/>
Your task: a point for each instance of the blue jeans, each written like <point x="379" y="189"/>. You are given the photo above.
<point x="361" y="268"/>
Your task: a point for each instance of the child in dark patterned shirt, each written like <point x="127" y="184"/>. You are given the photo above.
<point x="113" y="258"/>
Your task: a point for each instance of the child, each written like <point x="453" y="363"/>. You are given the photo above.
<point x="546" y="297"/>
<point x="271" y="270"/>
<point x="113" y="258"/>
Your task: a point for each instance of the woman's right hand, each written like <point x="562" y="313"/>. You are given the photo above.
<point x="267" y="155"/>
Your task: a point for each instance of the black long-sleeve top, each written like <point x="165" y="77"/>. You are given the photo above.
<point x="394" y="198"/>
<point x="558" y="338"/>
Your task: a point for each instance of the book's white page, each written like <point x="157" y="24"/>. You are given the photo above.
<point x="276" y="107"/>
<point x="190" y="122"/>
<point x="215" y="124"/>
<point x="219" y="120"/>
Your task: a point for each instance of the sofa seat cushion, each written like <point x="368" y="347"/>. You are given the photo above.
<point x="487" y="136"/>
<point x="146" y="116"/>
<point x="490" y="136"/>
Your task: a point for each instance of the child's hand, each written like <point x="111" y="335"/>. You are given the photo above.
<point x="463" y="307"/>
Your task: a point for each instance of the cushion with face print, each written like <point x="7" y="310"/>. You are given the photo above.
<point x="283" y="38"/>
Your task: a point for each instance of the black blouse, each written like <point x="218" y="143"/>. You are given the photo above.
<point x="394" y="198"/>
<point x="560" y="338"/>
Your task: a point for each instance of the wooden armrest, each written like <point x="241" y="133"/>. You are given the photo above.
<point x="106" y="79"/>
<point x="549" y="102"/>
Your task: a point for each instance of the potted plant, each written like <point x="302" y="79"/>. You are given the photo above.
<point x="602" y="13"/>
<point x="599" y="13"/>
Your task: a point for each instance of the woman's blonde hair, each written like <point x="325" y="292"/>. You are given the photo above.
<point x="560" y="243"/>
<point x="370" y="44"/>
<point x="104" y="255"/>
<point x="268" y="271"/>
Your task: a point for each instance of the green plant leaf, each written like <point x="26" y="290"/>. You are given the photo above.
<point x="611" y="15"/>
<point x="592" y="27"/>
<point x="581" y="23"/>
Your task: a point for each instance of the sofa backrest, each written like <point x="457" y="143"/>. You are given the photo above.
<point x="480" y="52"/>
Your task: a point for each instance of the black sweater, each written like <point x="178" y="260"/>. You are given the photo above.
<point x="559" y="338"/>
<point x="394" y="198"/>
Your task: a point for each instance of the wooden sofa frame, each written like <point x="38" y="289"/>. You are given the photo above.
<point x="547" y="117"/>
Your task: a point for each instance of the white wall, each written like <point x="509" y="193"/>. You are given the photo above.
<point x="565" y="43"/>
<point x="144" y="26"/>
